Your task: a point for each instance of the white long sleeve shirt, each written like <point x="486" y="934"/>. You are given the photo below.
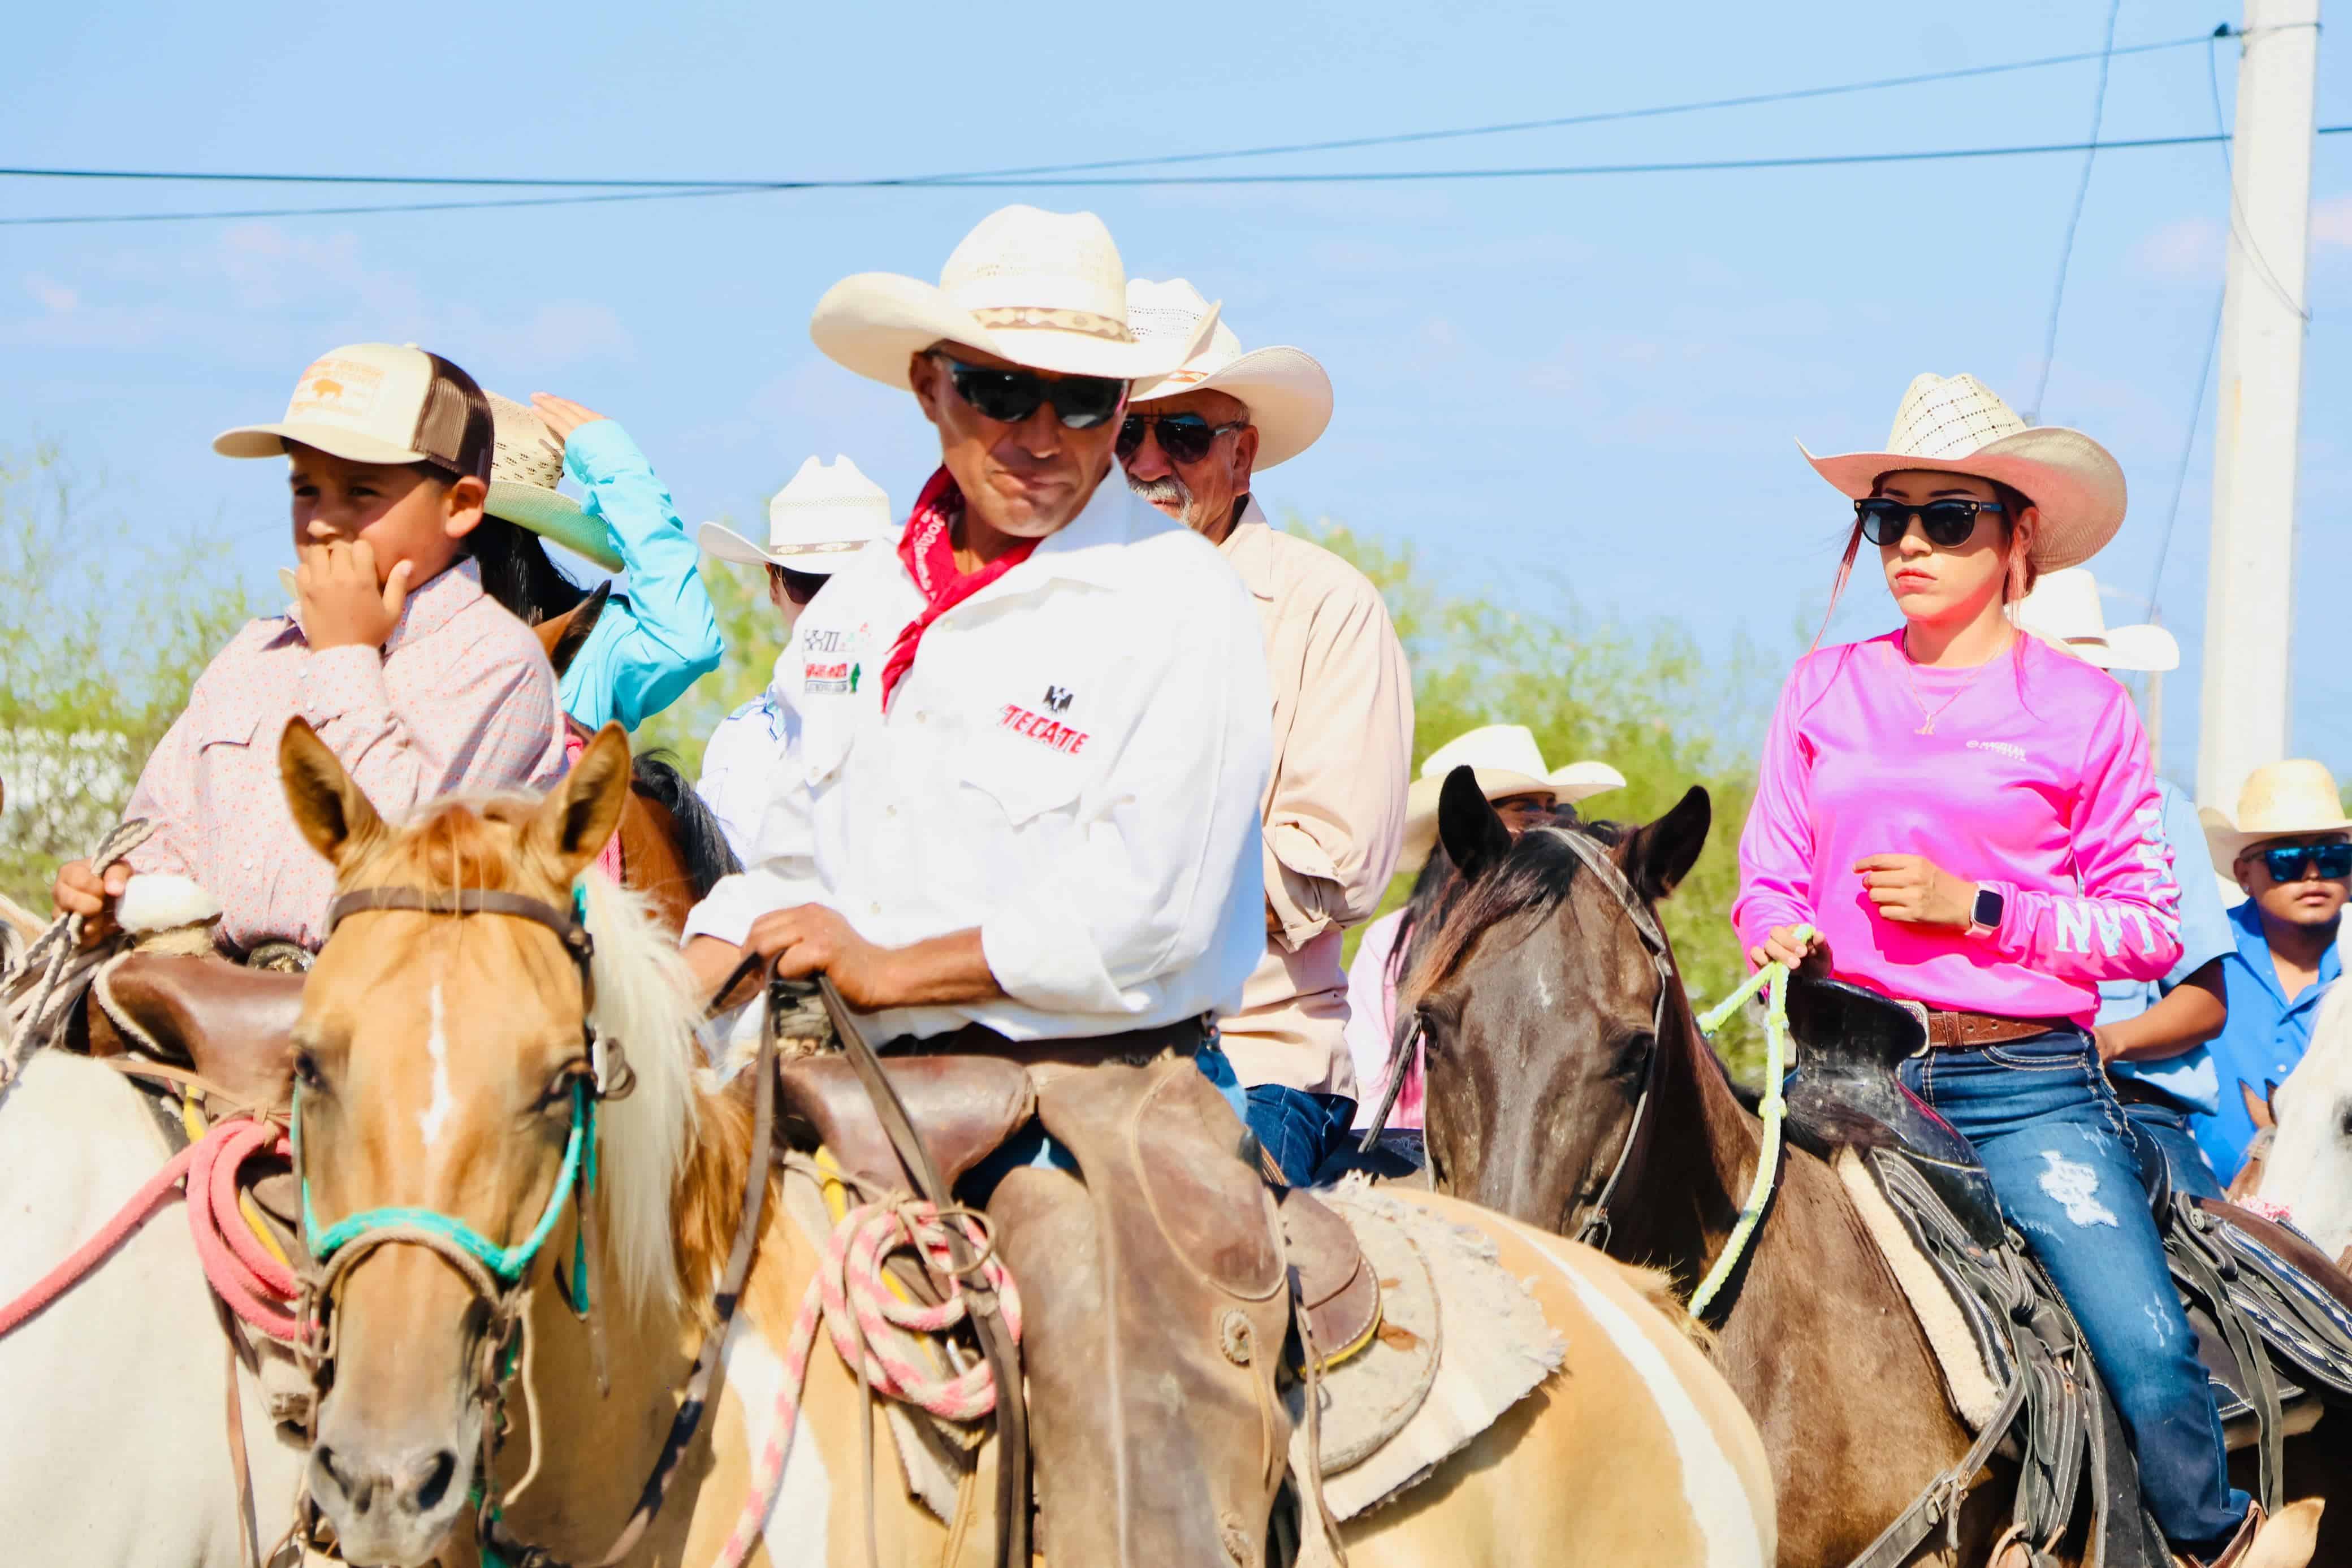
<point x="745" y="754"/>
<point x="1074" y="765"/>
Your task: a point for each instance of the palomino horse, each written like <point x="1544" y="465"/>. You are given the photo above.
<point x="2307" y="1169"/>
<point x="1634" y="1452"/>
<point x="1568" y="1087"/>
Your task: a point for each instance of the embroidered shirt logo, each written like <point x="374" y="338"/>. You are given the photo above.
<point x="1057" y="699"/>
<point x="1044" y="731"/>
<point x="2015" y="753"/>
<point x="829" y="666"/>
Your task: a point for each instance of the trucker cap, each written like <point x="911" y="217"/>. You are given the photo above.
<point x="376" y="402"/>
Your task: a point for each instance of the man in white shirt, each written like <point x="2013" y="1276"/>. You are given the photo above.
<point x="1028" y="828"/>
<point x="816" y="525"/>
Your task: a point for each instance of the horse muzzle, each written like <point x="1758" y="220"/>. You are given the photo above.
<point x="391" y="1501"/>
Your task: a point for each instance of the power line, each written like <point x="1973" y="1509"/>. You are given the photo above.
<point x="2239" y="228"/>
<point x="1342" y="145"/>
<point x="1383" y="176"/>
<point x="2074" y="220"/>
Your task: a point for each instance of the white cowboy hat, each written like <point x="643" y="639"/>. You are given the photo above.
<point x="815" y="524"/>
<point x="2278" y="801"/>
<point x="1042" y="290"/>
<point x="1508" y="762"/>
<point x="1954" y="424"/>
<point x="1286" y="391"/>
<point x="526" y="463"/>
<point x="2064" y="608"/>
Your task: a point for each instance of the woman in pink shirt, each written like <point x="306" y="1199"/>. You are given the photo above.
<point x="1968" y="821"/>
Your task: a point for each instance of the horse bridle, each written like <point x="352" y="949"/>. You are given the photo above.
<point x="1595" y="1229"/>
<point x="499" y="1276"/>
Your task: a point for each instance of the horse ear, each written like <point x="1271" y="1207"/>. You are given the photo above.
<point x="560" y="637"/>
<point x="1659" y="856"/>
<point x="580" y="813"/>
<point x="1469" y="826"/>
<point x="333" y="812"/>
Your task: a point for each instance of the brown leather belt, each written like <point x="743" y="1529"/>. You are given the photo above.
<point x="1967" y="1031"/>
<point x="1186" y="1035"/>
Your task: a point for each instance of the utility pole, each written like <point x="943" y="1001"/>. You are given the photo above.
<point x="2249" y="603"/>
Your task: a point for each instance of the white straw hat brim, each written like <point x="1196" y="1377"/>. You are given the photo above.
<point x="2072" y="481"/>
<point x="1287" y="391"/>
<point x="815" y="561"/>
<point x="336" y="440"/>
<point x="554" y="516"/>
<point x="2226" y="842"/>
<point x="874" y="322"/>
<point x="1565" y="787"/>
<point x="2146" y="647"/>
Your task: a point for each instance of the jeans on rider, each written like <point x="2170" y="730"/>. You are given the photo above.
<point x="1299" y="1128"/>
<point x="2168" y="1129"/>
<point x="2063" y="1161"/>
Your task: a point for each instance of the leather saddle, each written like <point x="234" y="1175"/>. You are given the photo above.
<point x="965" y="1107"/>
<point x="233" y="1025"/>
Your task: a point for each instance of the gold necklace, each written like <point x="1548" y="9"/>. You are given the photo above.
<point x="1902" y="656"/>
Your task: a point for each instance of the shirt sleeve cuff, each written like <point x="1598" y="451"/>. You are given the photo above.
<point x="337" y="681"/>
<point x="1045" y="958"/>
<point x="733" y="902"/>
<point x="1297" y="873"/>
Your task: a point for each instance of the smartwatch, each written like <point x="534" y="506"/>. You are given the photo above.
<point x="1984" y="914"/>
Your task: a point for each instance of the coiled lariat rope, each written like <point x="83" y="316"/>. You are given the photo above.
<point x="1773" y="979"/>
<point x="875" y="1332"/>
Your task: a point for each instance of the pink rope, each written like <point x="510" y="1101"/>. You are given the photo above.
<point x="240" y="1269"/>
<point x="870" y="1324"/>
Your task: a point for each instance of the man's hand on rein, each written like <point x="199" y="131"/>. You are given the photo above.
<point x="811" y="939"/>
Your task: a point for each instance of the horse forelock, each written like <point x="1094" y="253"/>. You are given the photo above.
<point x="1539" y="875"/>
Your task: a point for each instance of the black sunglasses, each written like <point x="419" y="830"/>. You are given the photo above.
<point x="2286" y="861"/>
<point x="1947" y="522"/>
<point x="1185" y="437"/>
<point x="1008" y="397"/>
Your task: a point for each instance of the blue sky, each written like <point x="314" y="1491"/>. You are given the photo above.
<point x="1586" y="386"/>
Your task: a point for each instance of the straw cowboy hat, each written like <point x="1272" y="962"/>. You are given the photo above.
<point x="2280" y="799"/>
<point x="815" y="524"/>
<point x="526" y="463"/>
<point x="1042" y="290"/>
<point x="1508" y="763"/>
<point x="2064" y="608"/>
<point x="1287" y="393"/>
<point x="1954" y="424"/>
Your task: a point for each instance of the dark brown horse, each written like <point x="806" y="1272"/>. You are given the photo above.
<point x="1547" y="1022"/>
<point x="1568" y="1087"/>
<point x="672" y="850"/>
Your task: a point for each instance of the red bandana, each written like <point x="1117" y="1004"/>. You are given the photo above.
<point x="928" y="548"/>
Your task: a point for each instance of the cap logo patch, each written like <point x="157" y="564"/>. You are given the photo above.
<point x="337" y="388"/>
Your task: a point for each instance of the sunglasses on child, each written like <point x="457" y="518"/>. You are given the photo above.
<point x="2286" y="861"/>
<point x="1008" y="397"/>
<point x="1184" y="437"/>
<point x="1945" y="522"/>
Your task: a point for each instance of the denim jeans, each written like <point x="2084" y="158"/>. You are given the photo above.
<point x="1299" y="1128"/>
<point x="2063" y="1161"/>
<point x="2168" y="1129"/>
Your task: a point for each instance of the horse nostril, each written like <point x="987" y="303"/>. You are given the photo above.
<point x="327" y="1468"/>
<point x="436" y="1482"/>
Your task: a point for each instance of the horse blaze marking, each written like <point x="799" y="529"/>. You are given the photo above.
<point x="430" y="1120"/>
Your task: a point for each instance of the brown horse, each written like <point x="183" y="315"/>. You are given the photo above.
<point x="672" y="849"/>
<point x="1634" y="1451"/>
<point x="1547" y="1024"/>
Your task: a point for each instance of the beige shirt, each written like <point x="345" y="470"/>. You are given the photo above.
<point x="1334" y="807"/>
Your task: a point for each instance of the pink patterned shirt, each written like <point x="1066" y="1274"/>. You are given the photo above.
<point x="459" y="698"/>
<point x="2033" y="780"/>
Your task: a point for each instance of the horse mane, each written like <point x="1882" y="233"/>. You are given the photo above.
<point x="1536" y="877"/>
<point x="701" y="842"/>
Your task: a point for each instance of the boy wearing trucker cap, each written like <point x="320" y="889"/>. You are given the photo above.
<point x="419" y="682"/>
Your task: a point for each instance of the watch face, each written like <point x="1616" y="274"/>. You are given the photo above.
<point x="1987" y="908"/>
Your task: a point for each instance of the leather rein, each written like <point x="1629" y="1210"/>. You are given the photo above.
<point x="500" y="1277"/>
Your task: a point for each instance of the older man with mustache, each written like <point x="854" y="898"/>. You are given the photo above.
<point x="1333" y="813"/>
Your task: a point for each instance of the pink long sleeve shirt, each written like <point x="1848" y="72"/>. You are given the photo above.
<point x="2035" y="782"/>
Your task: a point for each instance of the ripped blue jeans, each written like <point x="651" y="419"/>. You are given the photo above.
<point x="2061" y="1157"/>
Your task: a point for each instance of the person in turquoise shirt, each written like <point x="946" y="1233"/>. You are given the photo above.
<point x="2291" y="849"/>
<point x="649" y="645"/>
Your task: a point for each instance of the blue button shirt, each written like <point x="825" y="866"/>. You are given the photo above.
<point x="648" y="647"/>
<point x="2265" y="1037"/>
<point x="2187" y="1081"/>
